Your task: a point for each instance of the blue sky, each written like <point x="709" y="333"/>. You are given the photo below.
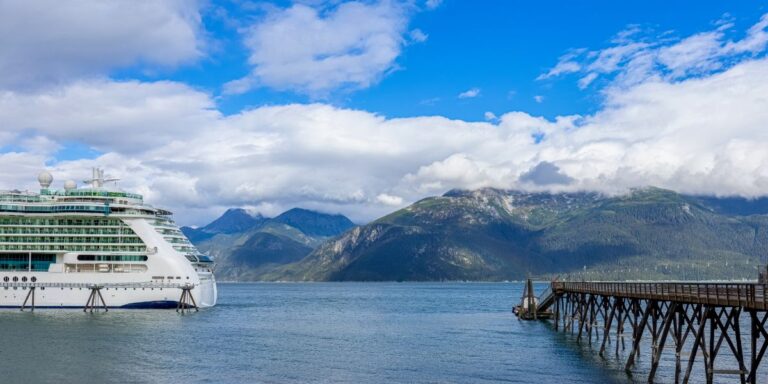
<point x="362" y="107"/>
<point x="499" y="47"/>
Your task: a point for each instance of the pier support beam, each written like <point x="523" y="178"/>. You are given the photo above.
<point x="30" y="295"/>
<point x="95" y="300"/>
<point x="187" y="301"/>
<point x="694" y="329"/>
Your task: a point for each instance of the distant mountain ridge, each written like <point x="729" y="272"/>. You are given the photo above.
<point x="492" y="234"/>
<point x="313" y="224"/>
<point x="246" y="246"/>
<point x="232" y="221"/>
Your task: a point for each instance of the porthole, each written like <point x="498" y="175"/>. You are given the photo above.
<point x="24" y="279"/>
<point x="15" y="279"/>
<point x="5" y="279"/>
<point x="42" y="288"/>
<point x="33" y="279"/>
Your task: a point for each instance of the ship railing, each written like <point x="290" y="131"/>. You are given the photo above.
<point x="96" y="285"/>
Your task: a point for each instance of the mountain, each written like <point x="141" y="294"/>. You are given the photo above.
<point x="234" y="220"/>
<point x="492" y="234"/>
<point x="313" y="223"/>
<point x="246" y="247"/>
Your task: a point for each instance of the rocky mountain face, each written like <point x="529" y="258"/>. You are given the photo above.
<point x="493" y="234"/>
<point x="234" y="220"/>
<point x="247" y="246"/>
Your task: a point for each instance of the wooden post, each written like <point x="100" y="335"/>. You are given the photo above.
<point x="94" y="298"/>
<point x="30" y="294"/>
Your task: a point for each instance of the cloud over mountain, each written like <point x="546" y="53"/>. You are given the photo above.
<point x="701" y="133"/>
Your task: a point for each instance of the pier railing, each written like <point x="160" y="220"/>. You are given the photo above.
<point x="689" y="323"/>
<point x="747" y="295"/>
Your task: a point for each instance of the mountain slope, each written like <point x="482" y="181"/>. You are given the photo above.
<point x="496" y="235"/>
<point x="235" y="220"/>
<point x="246" y="247"/>
<point x="314" y="223"/>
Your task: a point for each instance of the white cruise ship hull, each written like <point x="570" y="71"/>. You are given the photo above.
<point x="99" y="247"/>
<point x="116" y="294"/>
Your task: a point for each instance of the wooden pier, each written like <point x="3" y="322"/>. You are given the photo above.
<point x="691" y="323"/>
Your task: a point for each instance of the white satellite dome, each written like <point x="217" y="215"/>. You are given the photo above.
<point x="45" y="178"/>
<point x="70" y="185"/>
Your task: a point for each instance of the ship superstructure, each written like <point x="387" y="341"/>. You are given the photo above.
<point x="65" y="241"/>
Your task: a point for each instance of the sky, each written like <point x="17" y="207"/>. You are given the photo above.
<point x="363" y="107"/>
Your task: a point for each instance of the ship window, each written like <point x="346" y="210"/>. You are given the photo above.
<point x="34" y="279"/>
<point x="24" y="279"/>
<point x="15" y="279"/>
<point x="5" y="279"/>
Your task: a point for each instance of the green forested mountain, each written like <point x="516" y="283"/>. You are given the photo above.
<point x="493" y="234"/>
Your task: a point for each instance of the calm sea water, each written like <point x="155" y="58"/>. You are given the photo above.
<point x="296" y="333"/>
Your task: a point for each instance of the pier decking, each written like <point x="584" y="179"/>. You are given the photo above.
<point x="689" y="321"/>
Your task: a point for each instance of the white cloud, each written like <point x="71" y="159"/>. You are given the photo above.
<point x="432" y="4"/>
<point x="390" y="200"/>
<point x="314" y="52"/>
<point x="490" y="116"/>
<point x="168" y="141"/>
<point x="469" y="93"/>
<point x="637" y="57"/>
<point x="562" y="67"/>
<point x="538" y="98"/>
<point x="126" y="116"/>
<point x="418" y="36"/>
<point x="43" y="42"/>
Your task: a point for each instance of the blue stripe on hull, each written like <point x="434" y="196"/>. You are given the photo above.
<point x="167" y="304"/>
<point x="142" y="305"/>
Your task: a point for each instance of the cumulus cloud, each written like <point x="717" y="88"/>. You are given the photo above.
<point x="168" y="141"/>
<point x="127" y="117"/>
<point x="43" y="42"/>
<point x="469" y="93"/>
<point x="636" y="56"/>
<point x="545" y="174"/>
<point x="701" y="135"/>
<point x="391" y="200"/>
<point x="314" y="51"/>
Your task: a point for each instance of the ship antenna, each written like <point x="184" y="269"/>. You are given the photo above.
<point x="97" y="179"/>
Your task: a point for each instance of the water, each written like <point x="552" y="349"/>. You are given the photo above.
<point x="297" y="333"/>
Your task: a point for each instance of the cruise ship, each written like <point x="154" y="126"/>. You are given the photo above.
<point x="63" y="244"/>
